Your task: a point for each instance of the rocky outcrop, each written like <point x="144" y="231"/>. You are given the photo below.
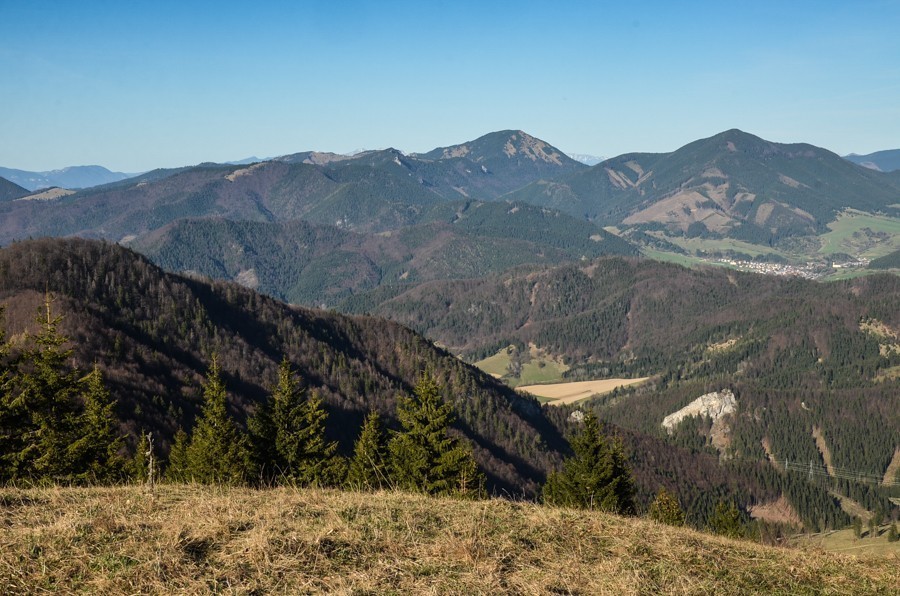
<point x="713" y="405"/>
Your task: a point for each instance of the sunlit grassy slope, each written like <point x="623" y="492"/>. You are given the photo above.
<point x="195" y="540"/>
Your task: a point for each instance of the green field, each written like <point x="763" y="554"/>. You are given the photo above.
<point x="671" y="257"/>
<point x="721" y="245"/>
<point x="537" y="367"/>
<point x="858" y="234"/>
<point x="845" y="542"/>
<point x="862" y="235"/>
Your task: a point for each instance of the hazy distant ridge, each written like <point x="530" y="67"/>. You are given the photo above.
<point x="71" y="177"/>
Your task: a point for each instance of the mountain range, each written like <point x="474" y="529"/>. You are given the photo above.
<point x="731" y="185"/>
<point x="732" y="192"/>
<point x="70" y="177"/>
<point x="883" y="161"/>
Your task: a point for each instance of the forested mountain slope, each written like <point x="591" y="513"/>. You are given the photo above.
<point x="305" y="263"/>
<point x="798" y="355"/>
<point x="10" y="190"/>
<point x="152" y="334"/>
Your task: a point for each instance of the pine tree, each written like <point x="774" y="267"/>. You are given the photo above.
<point x="726" y="521"/>
<point x="893" y="536"/>
<point x="217" y="452"/>
<point x="263" y="453"/>
<point x="424" y="456"/>
<point x="13" y="418"/>
<point x="289" y="436"/>
<point x="177" y="468"/>
<point x="48" y="404"/>
<point x="595" y="477"/>
<point x="96" y="452"/>
<point x="309" y="457"/>
<point x="665" y="509"/>
<point x="857" y="527"/>
<point x="369" y="466"/>
<point x="138" y="467"/>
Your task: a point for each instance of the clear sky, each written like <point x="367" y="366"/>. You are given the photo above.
<point x="134" y="85"/>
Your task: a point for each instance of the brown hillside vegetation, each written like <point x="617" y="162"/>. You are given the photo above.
<point x="188" y="539"/>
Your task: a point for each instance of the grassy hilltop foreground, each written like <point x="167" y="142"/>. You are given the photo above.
<point x="188" y="539"/>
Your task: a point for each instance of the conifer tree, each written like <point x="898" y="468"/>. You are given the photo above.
<point x="96" y="452"/>
<point x="217" y="452"/>
<point x="138" y="467"/>
<point x="892" y="535"/>
<point x="424" y="456"/>
<point x="288" y="434"/>
<point x="726" y="521"/>
<point x="595" y="477"/>
<point x="49" y="397"/>
<point x="177" y="468"/>
<point x="13" y="418"/>
<point x="369" y="466"/>
<point x="315" y="459"/>
<point x="665" y="509"/>
<point x="263" y="453"/>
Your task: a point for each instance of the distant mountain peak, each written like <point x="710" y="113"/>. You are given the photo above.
<point x="882" y="161"/>
<point x="503" y="144"/>
<point x="587" y="159"/>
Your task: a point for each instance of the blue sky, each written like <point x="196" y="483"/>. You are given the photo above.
<point x="137" y="85"/>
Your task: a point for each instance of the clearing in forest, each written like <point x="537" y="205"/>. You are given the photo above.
<point x="568" y="393"/>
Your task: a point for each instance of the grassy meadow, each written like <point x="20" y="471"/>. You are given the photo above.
<point x="191" y="539"/>
<point x="537" y="368"/>
<point x="861" y="234"/>
<point x="845" y="542"/>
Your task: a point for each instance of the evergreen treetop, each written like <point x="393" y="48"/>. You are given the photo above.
<point x="595" y="477"/>
<point x="369" y="467"/>
<point x="424" y="456"/>
<point x="665" y="509"/>
<point x="288" y="434"/>
<point x="217" y="452"/>
<point x="97" y="449"/>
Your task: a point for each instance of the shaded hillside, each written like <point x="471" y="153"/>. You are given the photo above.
<point x="884" y="161"/>
<point x="10" y="191"/>
<point x="733" y="184"/>
<point x="152" y="333"/>
<point x="797" y="354"/>
<point x="889" y="261"/>
<point x="304" y="263"/>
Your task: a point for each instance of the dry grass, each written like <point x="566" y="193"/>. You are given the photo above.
<point x="569" y="393"/>
<point x="197" y="540"/>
